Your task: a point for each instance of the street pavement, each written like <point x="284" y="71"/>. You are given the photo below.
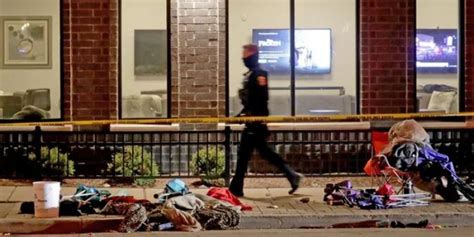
<point x="454" y="232"/>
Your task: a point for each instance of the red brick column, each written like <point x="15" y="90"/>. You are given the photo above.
<point x="387" y="56"/>
<point x="90" y="59"/>
<point x="469" y="47"/>
<point x="198" y="58"/>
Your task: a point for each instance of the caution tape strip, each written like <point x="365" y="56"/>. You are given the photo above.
<point x="270" y="119"/>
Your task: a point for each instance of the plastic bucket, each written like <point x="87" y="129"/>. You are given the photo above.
<point x="46" y="199"/>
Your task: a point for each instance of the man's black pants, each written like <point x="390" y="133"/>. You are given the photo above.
<point x="254" y="137"/>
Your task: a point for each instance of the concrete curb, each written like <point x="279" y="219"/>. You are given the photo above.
<point x="317" y="221"/>
<point x="85" y="225"/>
<point x="58" y="225"/>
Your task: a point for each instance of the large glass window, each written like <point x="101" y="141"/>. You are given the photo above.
<point x="263" y="22"/>
<point x="437" y="53"/>
<point x="144" y="58"/>
<point x="30" y="59"/>
<point x="325" y="51"/>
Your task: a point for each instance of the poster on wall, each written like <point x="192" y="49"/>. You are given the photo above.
<point x="312" y="50"/>
<point x="436" y="50"/>
<point x="150" y="54"/>
<point x="26" y="42"/>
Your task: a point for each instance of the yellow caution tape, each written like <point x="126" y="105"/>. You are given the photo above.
<point x="272" y="119"/>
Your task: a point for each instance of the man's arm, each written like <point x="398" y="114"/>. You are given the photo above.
<point x="258" y="94"/>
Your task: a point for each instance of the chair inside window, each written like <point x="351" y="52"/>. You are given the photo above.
<point x="40" y="98"/>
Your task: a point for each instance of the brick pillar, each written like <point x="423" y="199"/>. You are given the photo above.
<point x="198" y="58"/>
<point x="90" y="59"/>
<point x="387" y="56"/>
<point x="469" y="48"/>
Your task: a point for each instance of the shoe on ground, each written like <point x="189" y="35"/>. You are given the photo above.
<point x="237" y="194"/>
<point x="296" y="183"/>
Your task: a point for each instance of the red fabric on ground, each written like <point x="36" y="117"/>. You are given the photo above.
<point x="386" y="189"/>
<point x="224" y="194"/>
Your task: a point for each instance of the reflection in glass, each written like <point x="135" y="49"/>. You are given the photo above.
<point x="437" y="56"/>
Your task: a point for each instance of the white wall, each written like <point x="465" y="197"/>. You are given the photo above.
<point x="338" y="15"/>
<point x="432" y="14"/>
<point x="244" y="16"/>
<point x="12" y="80"/>
<point x="139" y="15"/>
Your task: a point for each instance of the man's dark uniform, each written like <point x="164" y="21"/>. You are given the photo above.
<point x="254" y="98"/>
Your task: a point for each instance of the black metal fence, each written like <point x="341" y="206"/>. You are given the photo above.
<point x="212" y="153"/>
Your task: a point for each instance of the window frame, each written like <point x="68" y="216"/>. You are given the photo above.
<point x="292" y="24"/>
<point x="61" y="73"/>
<point x="168" y="62"/>
<point x="461" y="59"/>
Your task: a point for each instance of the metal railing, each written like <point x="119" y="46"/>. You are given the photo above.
<point x="211" y="153"/>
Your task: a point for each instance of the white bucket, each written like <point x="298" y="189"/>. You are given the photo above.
<point x="46" y="199"/>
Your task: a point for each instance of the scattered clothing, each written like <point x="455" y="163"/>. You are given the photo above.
<point x="406" y="131"/>
<point x="218" y="218"/>
<point x="182" y="211"/>
<point x="398" y="224"/>
<point x="174" y="188"/>
<point x="135" y="218"/>
<point x="225" y="195"/>
<point x="127" y="199"/>
<point x="90" y="195"/>
<point x="370" y="199"/>
<point x="116" y="208"/>
<point x="66" y="208"/>
<point x="187" y="202"/>
<point x="382" y="224"/>
<point x="212" y="202"/>
<point x="386" y="189"/>
<point x="182" y="221"/>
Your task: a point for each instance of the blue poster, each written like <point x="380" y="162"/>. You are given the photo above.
<point x="312" y="50"/>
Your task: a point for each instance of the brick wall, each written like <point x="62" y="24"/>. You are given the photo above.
<point x="198" y="58"/>
<point x="387" y="56"/>
<point x="90" y="59"/>
<point x="469" y="46"/>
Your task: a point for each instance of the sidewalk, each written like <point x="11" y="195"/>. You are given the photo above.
<point x="290" y="212"/>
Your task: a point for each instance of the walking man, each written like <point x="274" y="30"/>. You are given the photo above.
<point x="254" y="98"/>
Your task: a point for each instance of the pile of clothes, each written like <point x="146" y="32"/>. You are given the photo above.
<point x="411" y="158"/>
<point x="176" y="208"/>
<point x="382" y="198"/>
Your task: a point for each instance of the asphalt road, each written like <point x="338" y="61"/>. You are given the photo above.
<point x="455" y="232"/>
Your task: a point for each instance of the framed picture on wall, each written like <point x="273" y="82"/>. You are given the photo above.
<point x="26" y="42"/>
<point x="150" y="54"/>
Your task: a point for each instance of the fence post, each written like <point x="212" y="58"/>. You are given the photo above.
<point x="37" y="143"/>
<point x="228" y="154"/>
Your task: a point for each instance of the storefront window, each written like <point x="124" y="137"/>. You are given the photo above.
<point x="253" y="21"/>
<point x="437" y="53"/>
<point x="30" y="59"/>
<point x="325" y="51"/>
<point x="144" y="58"/>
